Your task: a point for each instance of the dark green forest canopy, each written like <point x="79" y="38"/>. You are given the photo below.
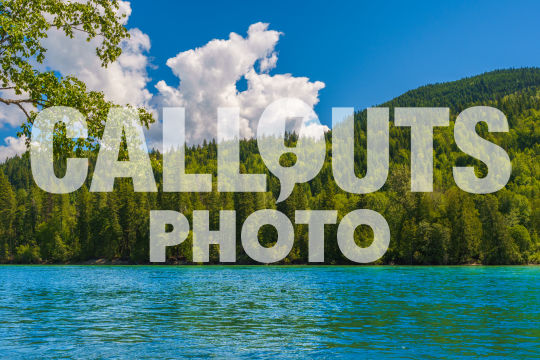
<point x="447" y="226"/>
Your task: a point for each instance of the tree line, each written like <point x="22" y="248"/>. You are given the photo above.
<point x="447" y="226"/>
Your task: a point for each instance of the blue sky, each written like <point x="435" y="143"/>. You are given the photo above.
<point x="365" y="52"/>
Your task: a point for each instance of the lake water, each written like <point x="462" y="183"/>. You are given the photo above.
<point x="268" y="312"/>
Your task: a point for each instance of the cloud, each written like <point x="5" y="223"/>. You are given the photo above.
<point x="14" y="146"/>
<point x="268" y="63"/>
<point x="208" y="80"/>
<point x="123" y="82"/>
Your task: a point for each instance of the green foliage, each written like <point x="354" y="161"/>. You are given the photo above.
<point x="447" y="226"/>
<point x="7" y="212"/>
<point x="23" y="26"/>
<point x="27" y="254"/>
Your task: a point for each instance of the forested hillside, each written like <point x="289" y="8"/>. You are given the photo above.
<point x="447" y="226"/>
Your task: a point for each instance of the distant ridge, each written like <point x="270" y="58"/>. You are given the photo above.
<point x="481" y="88"/>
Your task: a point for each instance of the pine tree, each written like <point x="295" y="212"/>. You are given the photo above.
<point x="7" y="214"/>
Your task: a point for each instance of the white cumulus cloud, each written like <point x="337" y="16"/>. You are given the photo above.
<point x="208" y="80"/>
<point x="14" y="146"/>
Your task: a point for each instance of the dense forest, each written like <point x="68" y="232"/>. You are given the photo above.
<point x="447" y="226"/>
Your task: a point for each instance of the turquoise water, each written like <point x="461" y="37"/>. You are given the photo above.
<point x="269" y="312"/>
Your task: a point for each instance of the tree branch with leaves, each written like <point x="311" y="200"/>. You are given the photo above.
<point x="23" y="26"/>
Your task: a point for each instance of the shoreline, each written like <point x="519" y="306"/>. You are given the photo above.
<point x="118" y="262"/>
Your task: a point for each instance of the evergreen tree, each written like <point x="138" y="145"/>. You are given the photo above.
<point x="7" y="214"/>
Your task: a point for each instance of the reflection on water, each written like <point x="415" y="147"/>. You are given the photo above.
<point x="264" y="312"/>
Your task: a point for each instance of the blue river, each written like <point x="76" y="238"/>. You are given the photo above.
<point x="237" y="312"/>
